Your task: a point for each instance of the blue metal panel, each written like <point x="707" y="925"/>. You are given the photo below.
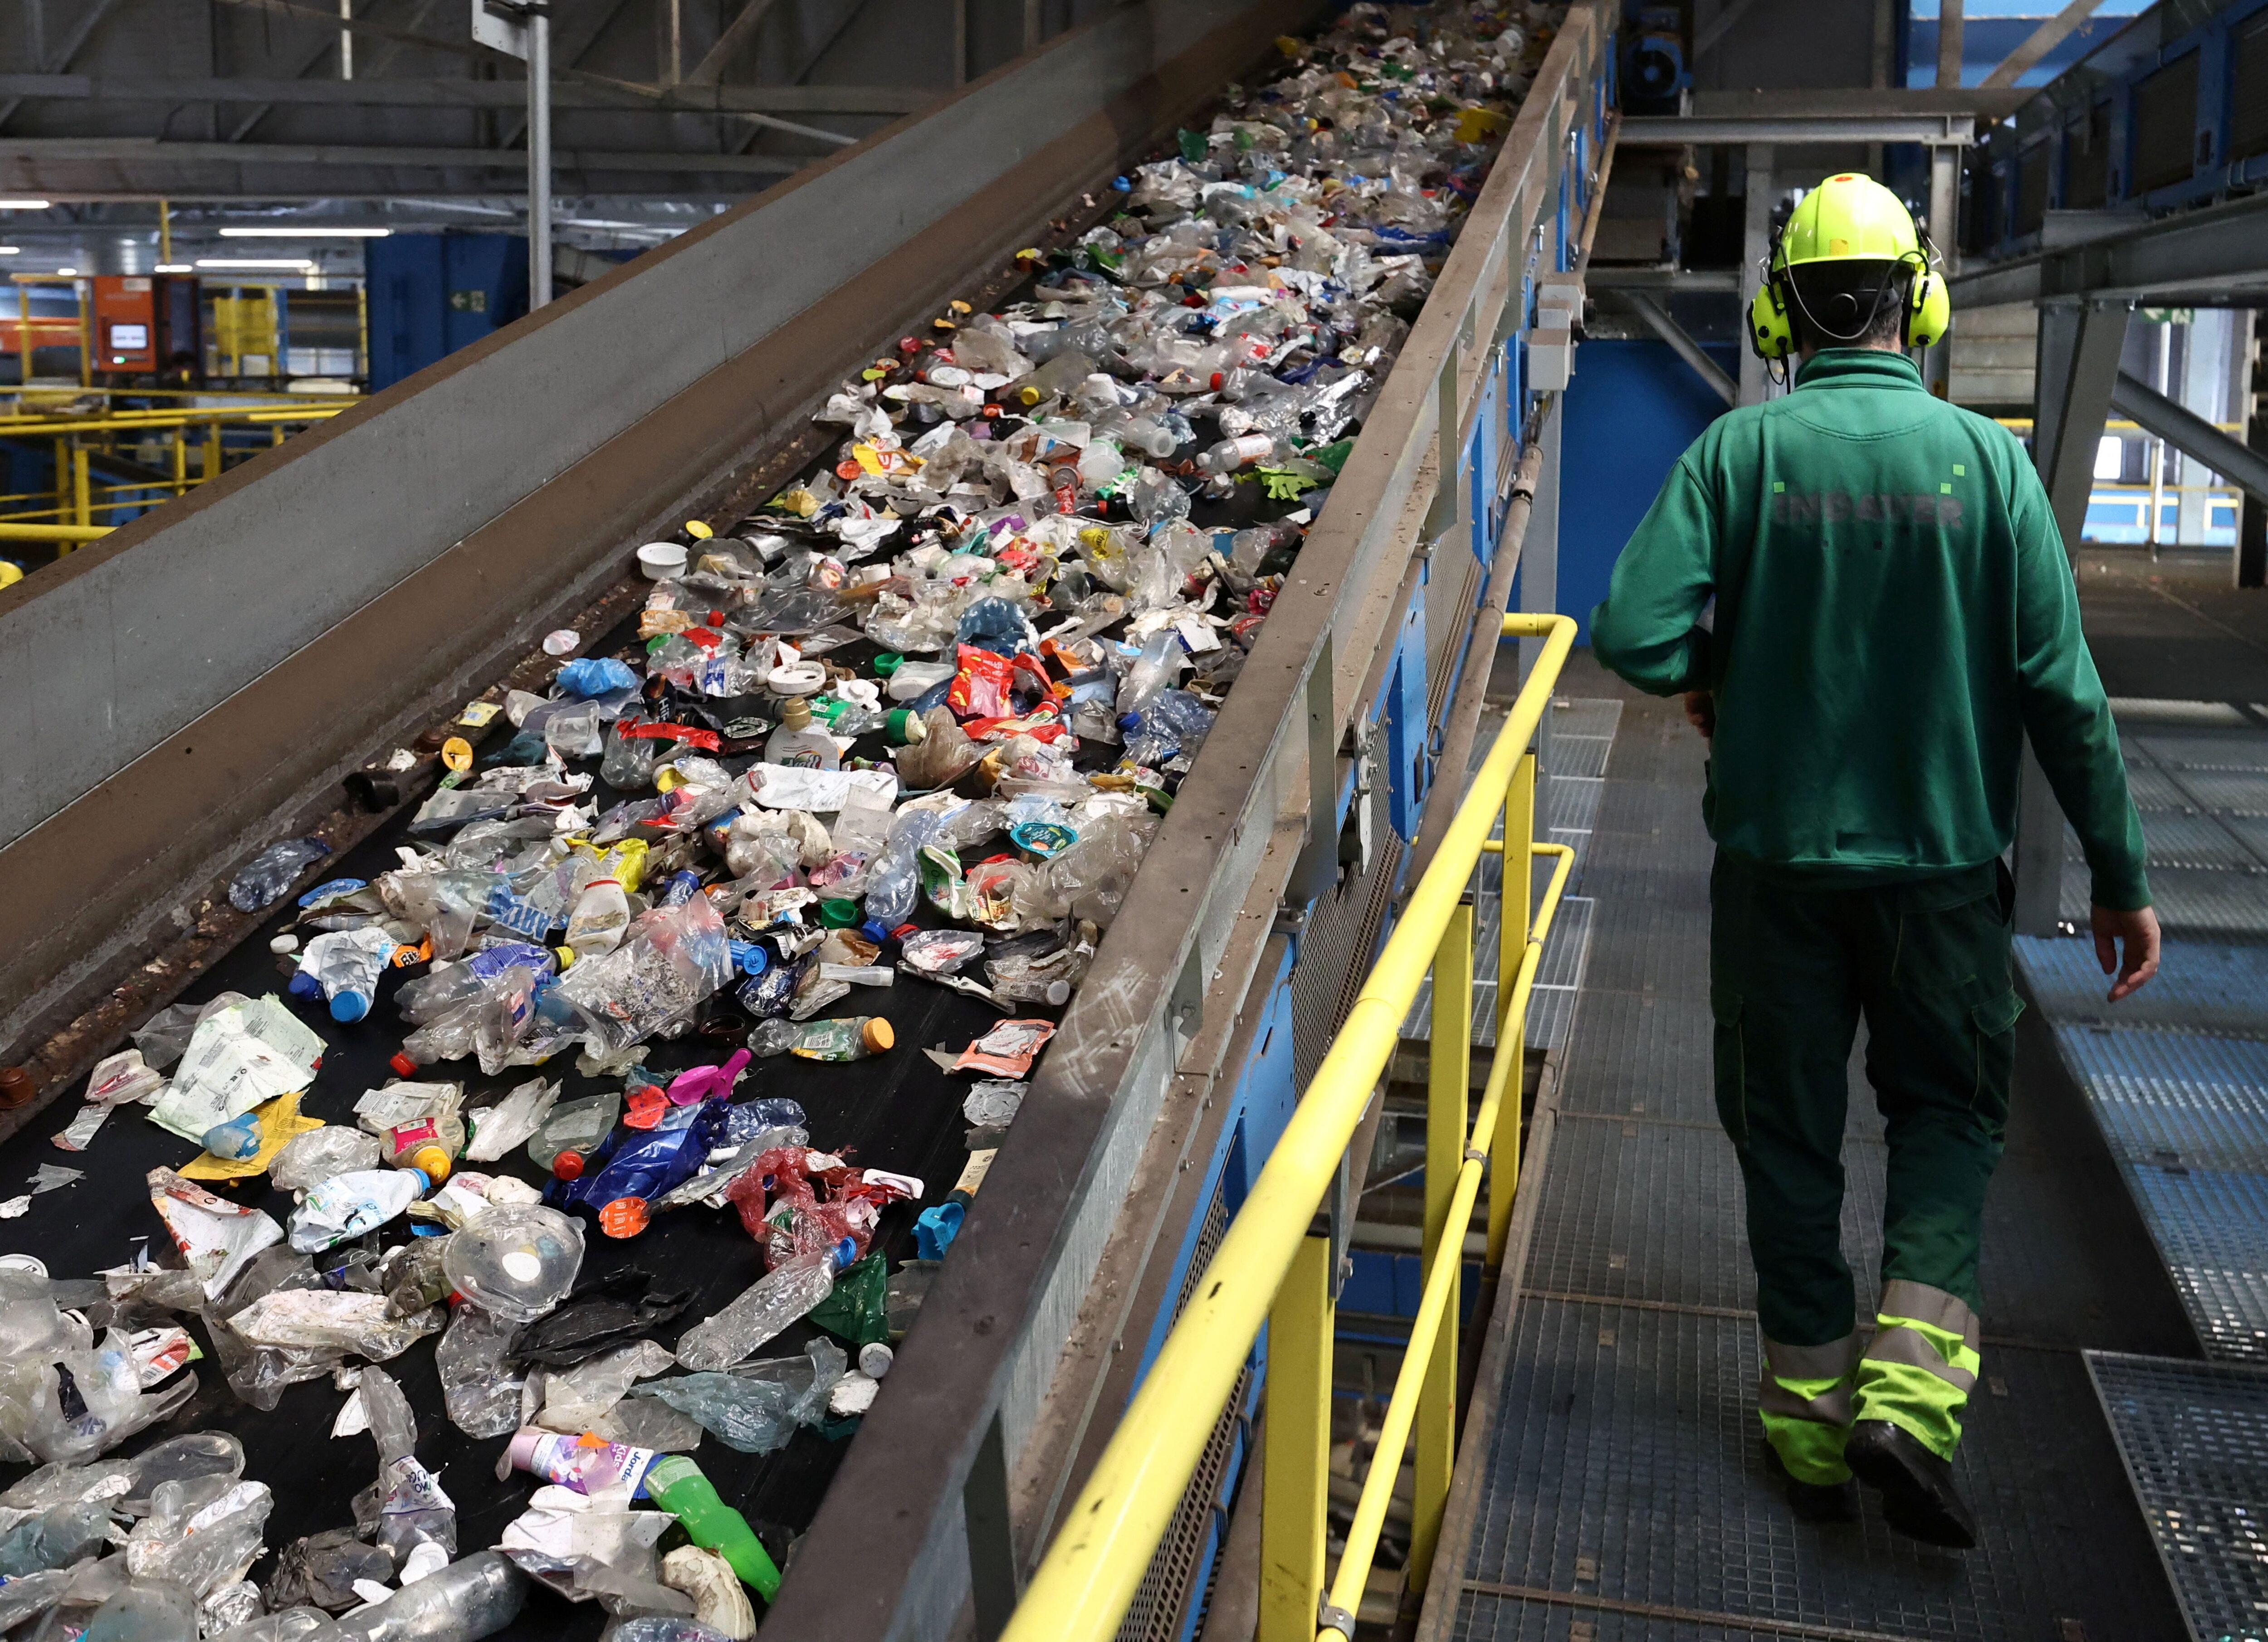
<point x="430" y="294"/>
<point x="1632" y="409"/>
<point x="1407" y="742"/>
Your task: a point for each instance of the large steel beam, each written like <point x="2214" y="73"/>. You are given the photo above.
<point x="380" y="93"/>
<point x="1683" y="346"/>
<point x="1796" y="130"/>
<point x="2040" y="42"/>
<point x="2221" y="245"/>
<point x="2191" y="434"/>
<point x="35" y="152"/>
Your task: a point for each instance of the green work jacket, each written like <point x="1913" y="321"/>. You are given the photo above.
<point x="1871" y="582"/>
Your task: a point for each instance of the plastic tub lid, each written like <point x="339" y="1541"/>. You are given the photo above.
<point x="877" y="1034"/>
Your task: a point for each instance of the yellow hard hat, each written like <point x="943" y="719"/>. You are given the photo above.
<point x="1849" y="218"/>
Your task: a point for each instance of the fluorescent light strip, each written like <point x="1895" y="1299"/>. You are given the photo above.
<point x="256" y="262"/>
<point x="305" y="233"/>
<point x="24" y="205"/>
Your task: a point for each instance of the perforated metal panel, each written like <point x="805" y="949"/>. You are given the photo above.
<point x="1342" y="933"/>
<point x="1162" y="1599"/>
<point x="2194" y="1437"/>
<point x="2248" y="102"/>
<point x="2165" y="126"/>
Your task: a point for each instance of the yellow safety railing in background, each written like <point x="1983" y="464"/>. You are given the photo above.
<point x="1271" y="1268"/>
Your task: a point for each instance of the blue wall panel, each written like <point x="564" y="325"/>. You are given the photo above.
<point x="1632" y="409"/>
<point x="432" y="294"/>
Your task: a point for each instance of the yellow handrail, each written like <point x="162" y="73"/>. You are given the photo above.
<point x="1083" y="1587"/>
<point x="52" y="532"/>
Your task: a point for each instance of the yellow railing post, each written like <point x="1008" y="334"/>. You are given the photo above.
<point x="1449" y="1080"/>
<point x="181" y="460"/>
<point x="212" y="451"/>
<point x="1295" y="1473"/>
<point x="1513" y="922"/>
<point x="82" y="503"/>
<point x="1271" y="1271"/>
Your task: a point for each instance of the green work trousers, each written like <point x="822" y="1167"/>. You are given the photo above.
<point x="1795" y="961"/>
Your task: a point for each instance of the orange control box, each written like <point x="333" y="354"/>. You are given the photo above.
<point x="145" y="325"/>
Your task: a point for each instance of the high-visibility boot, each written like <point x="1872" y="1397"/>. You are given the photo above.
<point x="1912" y="1386"/>
<point x="1803" y="1398"/>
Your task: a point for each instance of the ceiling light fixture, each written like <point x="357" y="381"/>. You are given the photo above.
<point x="299" y="264"/>
<point x="305" y="233"/>
<point x="25" y="205"/>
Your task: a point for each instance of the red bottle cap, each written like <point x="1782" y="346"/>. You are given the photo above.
<point x="568" y="1165"/>
<point x="403" y="1065"/>
<point x="716" y="618"/>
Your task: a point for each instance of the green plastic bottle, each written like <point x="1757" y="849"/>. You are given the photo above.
<point x="675" y="1483"/>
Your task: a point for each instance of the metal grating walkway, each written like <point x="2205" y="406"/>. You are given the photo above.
<point x="1580" y="734"/>
<point x="1624" y="1493"/>
<point x="2194" y="1437"/>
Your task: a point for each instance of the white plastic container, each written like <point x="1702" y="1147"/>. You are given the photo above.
<point x="662" y="562"/>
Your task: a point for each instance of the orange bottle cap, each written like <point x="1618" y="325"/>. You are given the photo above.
<point x="625" y="1217"/>
<point x="877" y="1034"/>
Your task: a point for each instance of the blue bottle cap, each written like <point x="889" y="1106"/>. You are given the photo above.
<point x="349" y="1006"/>
<point x="304" y="985"/>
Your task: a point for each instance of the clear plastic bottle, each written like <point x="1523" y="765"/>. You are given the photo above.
<point x="347" y="1206"/>
<point x="602" y="912"/>
<point x="575" y="1126"/>
<point x="629" y="761"/>
<point x="797" y="742"/>
<point x="847" y="1038"/>
<point x="467" y="1600"/>
<point x="676" y="1484"/>
<point x="145" y="1610"/>
<point x="780" y="1297"/>
<point x="1244" y="450"/>
<point x="1155" y="670"/>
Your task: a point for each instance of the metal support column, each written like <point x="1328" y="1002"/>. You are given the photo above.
<point x="2076" y="362"/>
<point x="539" y="153"/>
<point x="1755" y="242"/>
<point x="1296" y="1468"/>
<point x="1945" y="233"/>
<point x="1539" y="555"/>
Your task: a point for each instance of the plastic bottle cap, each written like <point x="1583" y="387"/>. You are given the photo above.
<point x="874" y="1359"/>
<point x="284" y="943"/>
<point x="624" y="1217"/>
<point x="838" y="912"/>
<point x="303" y="984"/>
<point x="403" y="1064"/>
<point x="716" y="618"/>
<point x="795" y="714"/>
<point x="349" y="1006"/>
<point x="568" y="1165"/>
<point x="875" y="930"/>
<point x="877" y="1035"/>
<point x="424" y="1180"/>
<point x="432" y="1161"/>
<point x="566" y="956"/>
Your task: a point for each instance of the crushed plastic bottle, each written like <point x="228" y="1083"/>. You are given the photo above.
<point x="737" y="1331"/>
<point x="462" y="1603"/>
<point x="342" y="967"/>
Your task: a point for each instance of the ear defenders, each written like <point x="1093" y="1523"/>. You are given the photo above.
<point x="1848" y="218"/>
<point x="1929" y="305"/>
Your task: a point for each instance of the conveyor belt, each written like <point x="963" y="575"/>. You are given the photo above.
<point x="1625" y="1488"/>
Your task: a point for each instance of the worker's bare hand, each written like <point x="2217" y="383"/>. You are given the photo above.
<point x="2126" y="942"/>
<point x="1701" y="712"/>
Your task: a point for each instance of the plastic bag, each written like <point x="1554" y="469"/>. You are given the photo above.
<point x="757" y="1409"/>
<point x="497" y="1129"/>
<point x="262" y="880"/>
<point x="332" y="1319"/>
<point x="602" y="1313"/>
<point x="481" y="1393"/>
<point x="309" y="1159"/>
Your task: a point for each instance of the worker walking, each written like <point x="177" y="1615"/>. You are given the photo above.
<point x="1862" y="594"/>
